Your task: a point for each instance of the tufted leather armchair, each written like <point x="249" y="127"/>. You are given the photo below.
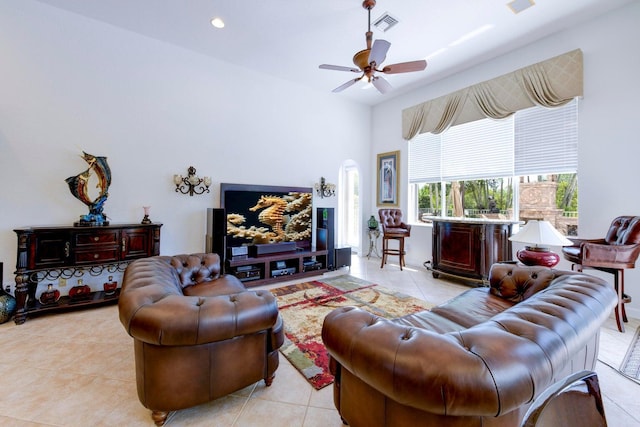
<point x="198" y="335"/>
<point x="393" y="228"/>
<point x="614" y="253"/>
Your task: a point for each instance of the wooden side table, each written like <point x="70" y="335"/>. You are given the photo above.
<point x="374" y="235"/>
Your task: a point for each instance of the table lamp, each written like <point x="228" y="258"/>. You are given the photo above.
<point x="538" y="236"/>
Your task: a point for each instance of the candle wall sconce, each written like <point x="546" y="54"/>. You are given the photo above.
<point x="192" y="183"/>
<point x="324" y="189"/>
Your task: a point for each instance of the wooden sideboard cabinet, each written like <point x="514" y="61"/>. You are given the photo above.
<point x="54" y="253"/>
<point x="467" y="248"/>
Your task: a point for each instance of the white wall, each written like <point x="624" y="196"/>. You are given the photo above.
<point x="69" y="84"/>
<point x="608" y="133"/>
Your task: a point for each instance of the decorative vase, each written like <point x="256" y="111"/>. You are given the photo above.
<point x="50" y="296"/>
<point x="7" y="306"/>
<point x="110" y="287"/>
<point x="146" y="219"/>
<point x="80" y="292"/>
<point x="373" y="223"/>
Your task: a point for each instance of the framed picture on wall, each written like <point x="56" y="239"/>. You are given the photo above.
<point x="388" y="170"/>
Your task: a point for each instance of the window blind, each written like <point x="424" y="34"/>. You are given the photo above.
<point x="533" y="141"/>
<point x="424" y="158"/>
<point x="478" y="150"/>
<point x="546" y="140"/>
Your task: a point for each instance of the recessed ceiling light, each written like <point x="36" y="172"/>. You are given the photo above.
<point x="217" y="22"/>
<point x="518" y="6"/>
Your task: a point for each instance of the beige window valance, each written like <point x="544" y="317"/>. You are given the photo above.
<point x="549" y="83"/>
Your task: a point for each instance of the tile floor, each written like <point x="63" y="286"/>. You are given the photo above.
<point x="77" y="369"/>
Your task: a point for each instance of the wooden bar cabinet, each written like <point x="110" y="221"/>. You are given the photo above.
<point x="467" y="248"/>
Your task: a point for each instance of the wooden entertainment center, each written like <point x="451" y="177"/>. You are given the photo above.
<point x="61" y="253"/>
<point x="259" y="270"/>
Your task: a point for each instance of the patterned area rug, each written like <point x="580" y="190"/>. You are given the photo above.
<point x="303" y="307"/>
<point x="631" y="363"/>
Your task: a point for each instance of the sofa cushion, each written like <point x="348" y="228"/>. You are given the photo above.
<point x="474" y="306"/>
<point x="224" y="285"/>
<point x="428" y="320"/>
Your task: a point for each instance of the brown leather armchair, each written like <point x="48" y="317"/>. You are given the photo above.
<point x="614" y="253"/>
<point x="393" y="229"/>
<point x="198" y="335"/>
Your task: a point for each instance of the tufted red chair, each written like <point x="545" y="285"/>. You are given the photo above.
<point x="614" y="253"/>
<point x="393" y="229"/>
<point x="198" y="335"/>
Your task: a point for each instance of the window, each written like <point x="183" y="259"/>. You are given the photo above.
<point x="523" y="167"/>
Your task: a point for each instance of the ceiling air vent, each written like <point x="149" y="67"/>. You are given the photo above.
<point x="385" y="22"/>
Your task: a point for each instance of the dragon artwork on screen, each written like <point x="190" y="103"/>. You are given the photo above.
<point x="267" y="214"/>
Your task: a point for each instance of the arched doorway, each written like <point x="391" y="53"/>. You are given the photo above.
<point x="349" y="209"/>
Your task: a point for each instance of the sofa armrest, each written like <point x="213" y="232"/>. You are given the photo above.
<point x="183" y="320"/>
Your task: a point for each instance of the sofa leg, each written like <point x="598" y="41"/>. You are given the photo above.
<point x="268" y="381"/>
<point x="159" y="417"/>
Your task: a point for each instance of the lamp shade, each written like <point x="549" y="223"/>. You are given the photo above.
<point x="540" y="234"/>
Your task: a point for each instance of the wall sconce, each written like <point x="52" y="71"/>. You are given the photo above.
<point x="192" y="183"/>
<point x="324" y="189"/>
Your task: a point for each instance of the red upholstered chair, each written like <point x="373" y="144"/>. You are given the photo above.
<point x="576" y="400"/>
<point x="393" y="229"/>
<point x="614" y="253"/>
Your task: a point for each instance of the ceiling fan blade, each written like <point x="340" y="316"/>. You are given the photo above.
<point x="346" y="85"/>
<point x="379" y="51"/>
<point x="381" y="84"/>
<point x="405" y="67"/>
<point x="339" y="68"/>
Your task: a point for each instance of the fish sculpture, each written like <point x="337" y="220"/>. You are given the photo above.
<point x="79" y="187"/>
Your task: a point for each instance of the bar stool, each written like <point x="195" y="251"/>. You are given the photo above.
<point x="393" y="229"/>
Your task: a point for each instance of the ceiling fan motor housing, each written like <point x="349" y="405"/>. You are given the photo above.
<point x="361" y="59"/>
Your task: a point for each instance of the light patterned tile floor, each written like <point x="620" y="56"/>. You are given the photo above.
<point x="77" y="369"/>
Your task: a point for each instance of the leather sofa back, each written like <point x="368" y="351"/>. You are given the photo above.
<point x="195" y="269"/>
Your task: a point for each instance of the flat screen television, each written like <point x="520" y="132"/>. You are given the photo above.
<point x="262" y="214"/>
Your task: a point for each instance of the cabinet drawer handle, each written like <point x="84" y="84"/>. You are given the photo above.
<point x="124" y="244"/>
<point x="96" y="238"/>
<point x="96" y="256"/>
<point x="67" y="249"/>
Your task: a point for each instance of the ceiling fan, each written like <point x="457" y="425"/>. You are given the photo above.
<point x="369" y="60"/>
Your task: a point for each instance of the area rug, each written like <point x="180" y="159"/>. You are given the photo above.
<point x="631" y="363"/>
<point x="303" y="307"/>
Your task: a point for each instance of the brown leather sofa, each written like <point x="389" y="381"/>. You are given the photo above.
<point x="477" y="360"/>
<point x="198" y="335"/>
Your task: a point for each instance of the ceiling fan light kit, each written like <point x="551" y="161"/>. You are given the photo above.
<point x="369" y="60"/>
